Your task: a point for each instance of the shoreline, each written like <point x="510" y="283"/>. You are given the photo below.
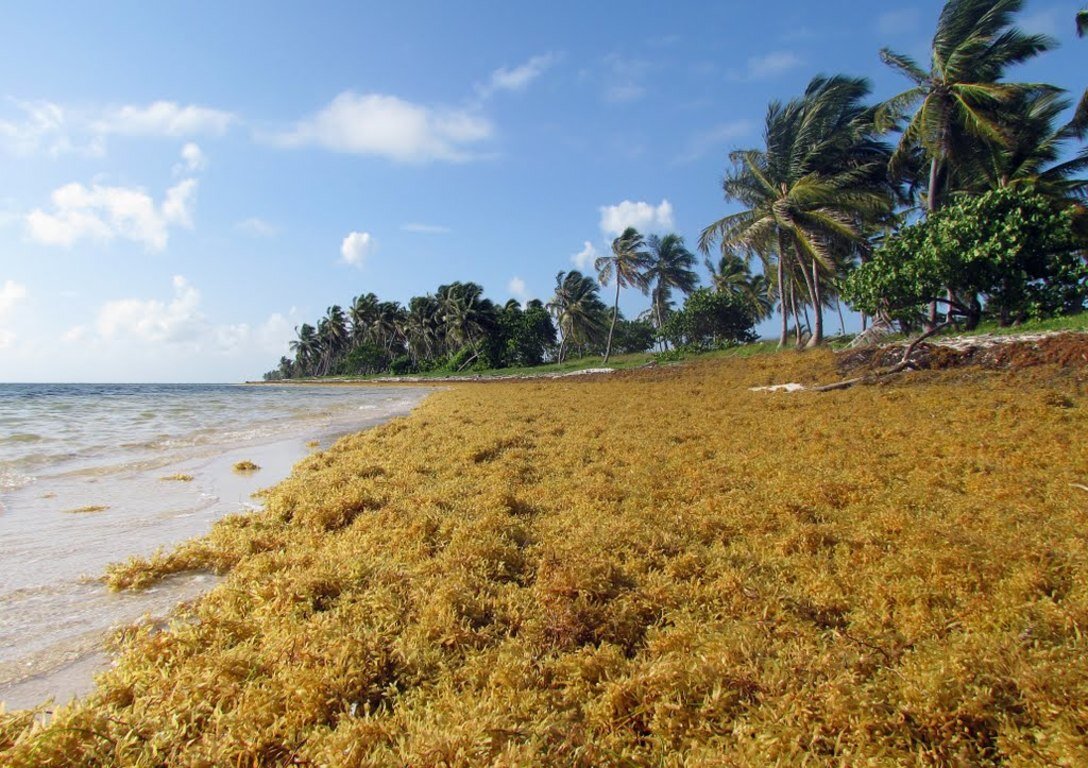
<point x="63" y="671"/>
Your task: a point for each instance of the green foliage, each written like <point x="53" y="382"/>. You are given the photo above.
<point x="1017" y="248"/>
<point x="632" y="336"/>
<point x="710" y="319"/>
<point x="402" y="366"/>
<point x="363" y="360"/>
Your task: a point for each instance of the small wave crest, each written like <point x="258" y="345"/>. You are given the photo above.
<point x="22" y="437"/>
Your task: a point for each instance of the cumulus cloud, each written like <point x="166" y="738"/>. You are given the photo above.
<point x="193" y="159"/>
<point x="45" y="128"/>
<point x="124" y="326"/>
<point x="356" y="247"/>
<point x="164" y="118"/>
<point x="11" y="293"/>
<point x="171" y="322"/>
<point x="518" y="289"/>
<point x="389" y="127"/>
<point x="584" y="258"/>
<point x="51" y="129"/>
<point x="642" y="216"/>
<point x="518" y="78"/>
<point x="257" y="227"/>
<point x="106" y="213"/>
<point x="768" y="65"/>
<point x="426" y="229"/>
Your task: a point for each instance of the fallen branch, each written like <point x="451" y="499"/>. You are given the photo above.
<point x="904" y="364"/>
<point x="1081" y="487"/>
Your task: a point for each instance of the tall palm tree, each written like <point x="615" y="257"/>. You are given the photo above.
<point x="627" y="265"/>
<point x="307" y="350"/>
<point x="958" y="101"/>
<point x="671" y="266"/>
<point x="363" y="311"/>
<point x="809" y="193"/>
<point x="578" y="310"/>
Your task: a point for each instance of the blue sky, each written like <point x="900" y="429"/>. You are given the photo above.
<point x="184" y="183"/>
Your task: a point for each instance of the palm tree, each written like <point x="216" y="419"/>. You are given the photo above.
<point x="958" y="102"/>
<point x="733" y="277"/>
<point x="363" y="311"/>
<point x="1036" y="148"/>
<point x="577" y="309"/>
<point x="809" y="193"/>
<point x="1082" y="23"/>
<point x="627" y="263"/>
<point x="307" y="349"/>
<point x="671" y="266"/>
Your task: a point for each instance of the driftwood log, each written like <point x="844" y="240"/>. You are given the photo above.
<point x="905" y="364"/>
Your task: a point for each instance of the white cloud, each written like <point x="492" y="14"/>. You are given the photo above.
<point x="374" y="124"/>
<point x="642" y="216"/>
<point x="584" y="258"/>
<point x="45" y="128"/>
<point x="54" y="130"/>
<point x="714" y="140"/>
<point x="898" y="21"/>
<point x="75" y="334"/>
<point x="175" y="322"/>
<point x="356" y="247"/>
<point x="518" y="78"/>
<point x="518" y="289"/>
<point x="105" y="213"/>
<point x="193" y="159"/>
<point x="426" y="229"/>
<point x="767" y="66"/>
<point x="257" y="227"/>
<point x="10" y="293"/>
<point x="164" y="118"/>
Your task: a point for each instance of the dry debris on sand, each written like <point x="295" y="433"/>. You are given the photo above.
<point x="651" y="568"/>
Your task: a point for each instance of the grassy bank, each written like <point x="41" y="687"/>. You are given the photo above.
<point x="652" y="568"/>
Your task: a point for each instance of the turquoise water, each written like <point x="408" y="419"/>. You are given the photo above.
<point x="68" y="446"/>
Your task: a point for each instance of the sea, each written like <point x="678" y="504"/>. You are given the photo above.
<point x="92" y="474"/>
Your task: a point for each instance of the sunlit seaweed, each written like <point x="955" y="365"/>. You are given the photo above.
<point x="180" y="477"/>
<point x="656" y="568"/>
<point x="245" y="466"/>
<point x="89" y="509"/>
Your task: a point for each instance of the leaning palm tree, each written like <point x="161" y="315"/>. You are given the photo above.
<point x="1037" y="152"/>
<point x="809" y="193"/>
<point x="671" y="266"/>
<point x="959" y="101"/>
<point x="627" y="264"/>
<point x="578" y="311"/>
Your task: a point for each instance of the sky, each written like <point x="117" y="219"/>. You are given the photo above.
<point x="185" y="183"/>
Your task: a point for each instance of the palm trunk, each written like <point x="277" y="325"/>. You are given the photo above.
<point x="817" y="308"/>
<point x="612" y="328"/>
<point x="842" y="320"/>
<point x="782" y="294"/>
<point x="931" y="207"/>
<point x="796" y="314"/>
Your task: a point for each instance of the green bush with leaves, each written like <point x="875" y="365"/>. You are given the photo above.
<point x="710" y="319"/>
<point x="1020" y="251"/>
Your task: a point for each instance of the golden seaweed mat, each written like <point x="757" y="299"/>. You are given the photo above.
<point x="653" y="568"/>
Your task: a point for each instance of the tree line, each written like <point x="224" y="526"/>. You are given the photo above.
<point x="959" y="198"/>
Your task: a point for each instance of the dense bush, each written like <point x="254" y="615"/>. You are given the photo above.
<point x="710" y="319"/>
<point x="1014" y="248"/>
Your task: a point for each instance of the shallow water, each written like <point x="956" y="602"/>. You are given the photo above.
<point x="65" y="447"/>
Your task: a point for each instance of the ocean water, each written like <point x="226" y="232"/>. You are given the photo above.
<point x="69" y="447"/>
